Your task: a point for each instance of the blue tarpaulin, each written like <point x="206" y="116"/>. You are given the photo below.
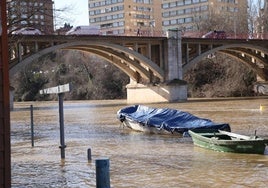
<point x="169" y="119"/>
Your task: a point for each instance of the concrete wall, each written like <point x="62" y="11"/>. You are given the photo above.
<point x="174" y="56"/>
<point x="153" y="94"/>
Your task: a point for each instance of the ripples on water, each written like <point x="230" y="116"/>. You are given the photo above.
<point x="136" y="159"/>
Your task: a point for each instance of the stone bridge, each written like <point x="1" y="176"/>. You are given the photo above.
<point x="155" y="65"/>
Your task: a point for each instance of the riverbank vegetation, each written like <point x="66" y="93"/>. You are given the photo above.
<point x="91" y="78"/>
<point x="220" y="76"/>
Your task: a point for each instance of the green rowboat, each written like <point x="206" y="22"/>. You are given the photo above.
<point x="224" y="141"/>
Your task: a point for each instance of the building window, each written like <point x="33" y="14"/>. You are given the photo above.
<point x="115" y="16"/>
<point x="181" y="20"/>
<point x="173" y="22"/>
<point x="165" y="6"/>
<point x="188" y="2"/>
<point x="188" y="11"/>
<point x="173" y="4"/>
<point x="115" y="24"/>
<point x="180" y="2"/>
<point x="188" y="20"/>
<point x="181" y="11"/>
<point x="165" y="14"/>
<point x="166" y="22"/>
<point x="173" y="13"/>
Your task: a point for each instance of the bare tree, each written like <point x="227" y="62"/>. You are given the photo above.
<point x="258" y="18"/>
<point x="253" y="17"/>
<point x="39" y="14"/>
<point x="262" y="21"/>
<point x="233" y="20"/>
<point x="64" y="15"/>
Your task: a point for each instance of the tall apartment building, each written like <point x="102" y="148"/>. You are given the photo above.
<point x="198" y="15"/>
<point x="31" y="13"/>
<point x="127" y="16"/>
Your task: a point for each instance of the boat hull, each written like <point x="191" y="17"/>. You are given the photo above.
<point x="228" y="144"/>
<point x="143" y="128"/>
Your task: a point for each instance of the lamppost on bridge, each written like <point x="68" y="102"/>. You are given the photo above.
<point x="235" y="22"/>
<point x="152" y="25"/>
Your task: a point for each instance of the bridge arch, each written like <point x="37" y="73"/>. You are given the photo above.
<point x="255" y="57"/>
<point x="135" y="65"/>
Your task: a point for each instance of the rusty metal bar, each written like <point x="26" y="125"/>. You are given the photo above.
<point x="5" y="164"/>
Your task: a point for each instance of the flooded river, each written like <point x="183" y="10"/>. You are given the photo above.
<point x="137" y="160"/>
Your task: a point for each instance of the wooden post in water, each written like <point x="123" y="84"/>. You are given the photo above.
<point x="102" y="173"/>
<point x="89" y="154"/>
<point x="32" y="126"/>
<point x="61" y="119"/>
<point x="60" y="90"/>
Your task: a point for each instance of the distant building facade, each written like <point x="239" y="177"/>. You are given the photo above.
<point x="31" y="13"/>
<point x="126" y="17"/>
<point x="133" y="16"/>
<point x="188" y="13"/>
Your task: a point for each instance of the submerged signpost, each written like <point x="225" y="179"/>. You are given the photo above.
<point x="60" y="90"/>
<point x="102" y="165"/>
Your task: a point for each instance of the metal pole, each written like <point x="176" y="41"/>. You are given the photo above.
<point x="32" y="126"/>
<point x="5" y="149"/>
<point x="62" y="142"/>
<point x="89" y="154"/>
<point x="102" y="173"/>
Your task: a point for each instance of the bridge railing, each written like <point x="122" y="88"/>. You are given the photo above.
<point x="188" y="34"/>
<point x="197" y="34"/>
<point x="139" y="32"/>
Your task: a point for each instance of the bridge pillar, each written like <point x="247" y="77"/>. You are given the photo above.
<point x="174" y="56"/>
<point x="139" y="93"/>
<point x="174" y="88"/>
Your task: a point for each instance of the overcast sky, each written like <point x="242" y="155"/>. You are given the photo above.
<point x="77" y="14"/>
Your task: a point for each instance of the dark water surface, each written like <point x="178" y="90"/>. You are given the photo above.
<point x="136" y="160"/>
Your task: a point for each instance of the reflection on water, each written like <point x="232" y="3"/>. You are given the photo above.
<point x="136" y="159"/>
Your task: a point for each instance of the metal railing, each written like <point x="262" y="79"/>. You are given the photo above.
<point x="187" y="34"/>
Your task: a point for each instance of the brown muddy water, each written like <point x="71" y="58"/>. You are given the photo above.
<point x="137" y="160"/>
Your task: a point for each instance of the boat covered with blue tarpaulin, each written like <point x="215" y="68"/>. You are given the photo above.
<point x="164" y="120"/>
